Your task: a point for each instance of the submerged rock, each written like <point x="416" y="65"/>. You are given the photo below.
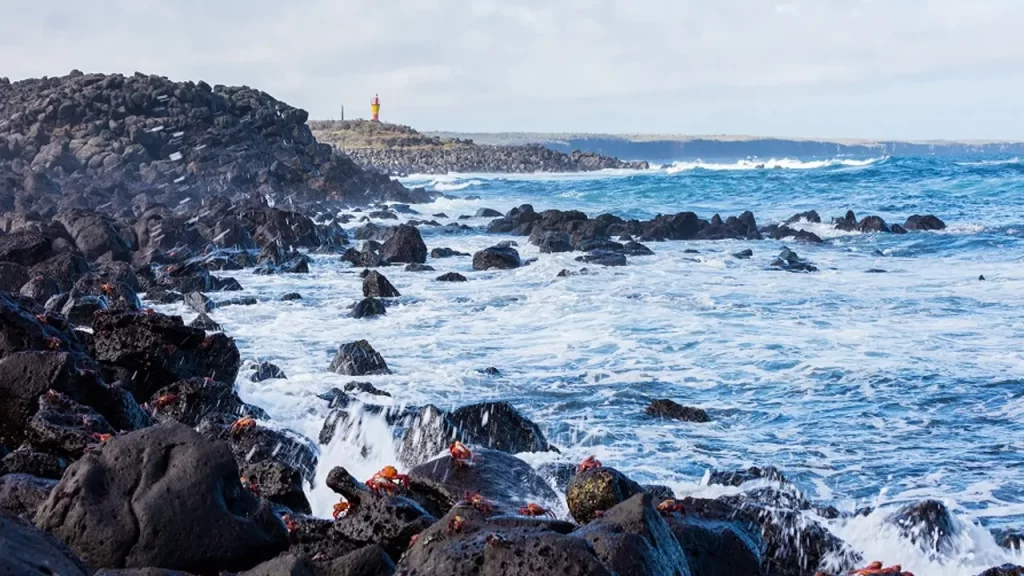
<point x="496" y="257"/>
<point x="668" y="409"/>
<point x="266" y="371"/>
<point x="451" y="277"/>
<point x="603" y="258"/>
<point x="369" y="308"/>
<point x="791" y="262"/>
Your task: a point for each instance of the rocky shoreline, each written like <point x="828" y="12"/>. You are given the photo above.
<point x="400" y="151"/>
<point x="126" y="450"/>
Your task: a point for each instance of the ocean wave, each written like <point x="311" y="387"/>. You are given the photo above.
<point x="771" y="163"/>
<point x="1015" y="160"/>
<point x="453" y="186"/>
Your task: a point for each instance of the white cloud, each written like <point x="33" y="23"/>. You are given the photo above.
<point x="803" y="67"/>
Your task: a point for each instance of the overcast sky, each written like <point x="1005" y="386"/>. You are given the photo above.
<point x="836" y="68"/>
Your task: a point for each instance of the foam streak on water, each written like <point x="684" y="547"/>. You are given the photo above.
<point x="865" y="388"/>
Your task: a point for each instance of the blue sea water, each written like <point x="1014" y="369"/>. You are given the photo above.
<point x="864" y="388"/>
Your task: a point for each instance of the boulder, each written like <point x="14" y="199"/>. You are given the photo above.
<point x="928" y="524"/>
<point x="158" y="350"/>
<point x="278" y="483"/>
<point x="261" y="443"/>
<point x="603" y="258"/>
<point x="25" y="550"/>
<point x="163" y="496"/>
<point x="665" y="408"/>
<point x="496" y="257"/>
<point x="367" y="259"/>
<point x="809" y="216"/>
<point x="204" y="322"/>
<point x="633" y="538"/>
<point x="717" y="547"/>
<point x="451" y="277"/>
<point x="487" y="213"/>
<point x="926" y="222"/>
<point x="13" y="276"/>
<point x="445" y="253"/>
<point x="466" y="543"/>
<point x="27" y="461"/>
<point x="66" y="428"/>
<point x="358" y="359"/>
<point x="740" y="477"/>
<point x="22" y="494"/>
<point x="873" y="224"/>
<point x="592" y="492"/>
<point x="743" y="254"/>
<point x="404" y="244"/>
<point x="1004" y="570"/>
<point x="418" y="268"/>
<point x="375" y="285"/>
<point x="285" y="565"/>
<point x="199" y="302"/>
<point x="25" y="376"/>
<point x="636" y="249"/>
<point x="266" y="371"/>
<point x="369" y="308"/>
<point x="791" y="262"/>
<point x="82" y="310"/>
<point x="192" y="401"/>
<point x="554" y="241"/>
<point x="25" y="247"/>
<point x="367" y="561"/>
<point x="40" y="288"/>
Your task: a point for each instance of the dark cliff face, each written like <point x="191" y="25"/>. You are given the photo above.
<point x="89" y="140"/>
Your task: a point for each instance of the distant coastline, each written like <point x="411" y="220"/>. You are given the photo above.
<point x="670" y="147"/>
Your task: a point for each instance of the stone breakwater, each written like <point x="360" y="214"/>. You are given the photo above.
<point x="400" y="150"/>
<point x="126" y="449"/>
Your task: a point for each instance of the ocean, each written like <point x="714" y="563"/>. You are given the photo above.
<point x="891" y="375"/>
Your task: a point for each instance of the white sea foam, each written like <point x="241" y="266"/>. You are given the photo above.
<point x="769" y="164"/>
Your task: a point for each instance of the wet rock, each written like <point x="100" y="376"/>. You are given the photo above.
<point x="285" y="565"/>
<point x="738" y="478"/>
<point x="791" y="262"/>
<point x="22" y="494"/>
<point x="659" y="492"/>
<point x="159" y="350"/>
<point x="375" y="285"/>
<point x="847" y="223"/>
<point x="1012" y="539"/>
<point x="665" y="408"/>
<point x="266" y="371"/>
<point x="358" y="359"/>
<point x="1004" y="570"/>
<point x="278" y="483"/>
<point x="291" y="296"/>
<point x="117" y="506"/>
<point x="363" y="259"/>
<point x="873" y="224"/>
<point x="27" y="461"/>
<point x="897" y="229"/>
<point x="366" y="388"/>
<point x="66" y="428"/>
<point x="369" y="308"/>
<point x="445" y="253"/>
<point x="40" y="288"/>
<point x="636" y="249"/>
<point x="490" y="371"/>
<point x="194" y="400"/>
<point x="204" y="322"/>
<point x="261" y="443"/>
<point x="199" y="302"/>
<point x="487" y="213"/>
<point x="554" y="241"/>
<point x="390" y="521"/>
<point x="926" y="222"/>
<point x="716" y="547"/>
<point x="451" y="277"/>
<point x="25" y="247"/>
<point x="418" y="268"/>
<point x="603" y="258"/>
<point x="480" y="547"/>
<point x="592" y="492"/>
<point x="809" y="216"/>
<point x="25" y="550"/>
<point x="743" y="254"/>
<point x="81" y="310"/>
<point x="633" y="538"/>
<point x="981" y="277"/>
<point x="782" y="232"/>
<point x="495" y="257"/>
<point x="404" y="244"/>
<point x="239" y="301"/>
<point x="12" y="276"/>
<point x="928" y="524"/>
<point x="161" y="295"/>
<point x="505" y="481"/>
<point x="95" y="235"/>
<point x="594" y="244"/>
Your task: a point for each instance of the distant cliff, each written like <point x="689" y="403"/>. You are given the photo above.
<point x="397" y="150"/>
<point x="666" y="148"/>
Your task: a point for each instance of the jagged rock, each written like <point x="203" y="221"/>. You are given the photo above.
<point x="809" y="216"/>
<point x="358" y="359"/>
<point x="369" y="308"/>
<point x="375" y="285"/>
<point x="261" y="443"/>
<point x="928" y="524"/>
<point x="633" y="538"/>
<point x="738" y="478"/>
<point x="451" y="277"/>
<point x="40" y="288"/>
<point x="204" y="322"/>
<point x="27" y="461"/>
<point x="199" y="302"/>
<point x="1004" y="570"/>
<point x="665" y="408"/>
<point x="65" y="428"/>
<point x="25" y="247"/>
<point x="266" y="371"/>
<point x="277" y="482"/>
<point x="592" y="492"/>
<point x="496" y="257"/>
<point x="403" y="243"/>
<point x="554" y="241"/>
<point x="192" y="401"/>
<point x="25" y="376"/>
<point x="117" y="506"/>
<point x="22" y="494"/>
<point x="791" y="262"/>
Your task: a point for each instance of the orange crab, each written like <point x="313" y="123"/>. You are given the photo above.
<point x="535" y="510"/>
<point x="669" y="506"/>
<point x="460" y="453"/>
<point x="250" y="485"/>
<point x="588" y="463"/>
<point x="876" y="569"/>
<point x="242" y="424"/>
<point x="290" y="523"/>
<point x="165" y="400"/>
<point x="455" y="524"/>
<point x="387" y="480"/>
<point x="101" y="437"/>
<point x="53" y="343"/>
<point x="479" y="502"/>
<point x="107" y="288"/>
<point x="340" y="509"/>
<point x="149" y="311"/>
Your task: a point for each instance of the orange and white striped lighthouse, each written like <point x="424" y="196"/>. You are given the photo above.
<point x="375" y="107"/>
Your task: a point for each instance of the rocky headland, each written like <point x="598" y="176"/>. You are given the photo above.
<point x="125" y="449"/>
<point x="399" y="150"/>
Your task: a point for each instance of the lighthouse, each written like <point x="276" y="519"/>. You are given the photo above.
<point x="375" y="107"/>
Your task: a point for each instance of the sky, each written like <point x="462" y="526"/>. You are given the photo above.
<point x="907" y="69"/>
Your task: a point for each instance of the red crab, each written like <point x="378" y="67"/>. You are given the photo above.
<point x="535" y="510"/>
<point x="387" y="480"/>
<point x="588" y="463"/>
